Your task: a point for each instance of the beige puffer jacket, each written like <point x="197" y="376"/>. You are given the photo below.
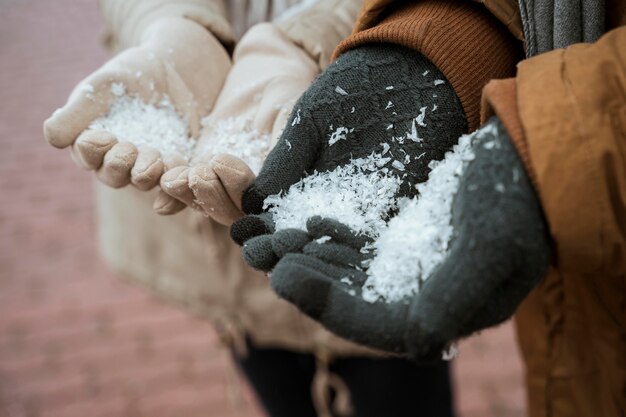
<point x="189" y="259"/>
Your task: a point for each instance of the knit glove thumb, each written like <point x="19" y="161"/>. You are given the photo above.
<point x="386" y="106"/>
<point x="498" y="251"/>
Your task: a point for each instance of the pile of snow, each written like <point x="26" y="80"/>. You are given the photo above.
<point x="359" y="195"/>
<point x="146" y="125"/>
<point x="418" y="239"/>
<point x="160" y="127"/>
<point x="234" y="136"/>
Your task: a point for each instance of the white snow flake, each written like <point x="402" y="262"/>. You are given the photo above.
<point x="340" y="134"/>
<point x="341" y="91"/>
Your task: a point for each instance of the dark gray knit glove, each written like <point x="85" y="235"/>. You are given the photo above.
<point x="499" y="251"/>
<point x="362" y="100"/>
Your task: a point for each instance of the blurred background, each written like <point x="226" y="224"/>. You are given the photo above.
<point x="74" y="339"/>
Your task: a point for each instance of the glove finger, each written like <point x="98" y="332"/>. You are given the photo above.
<point x="147" y="170"/>
<point x="89" y="149"/>
<point x="234" y="174"/>
<point x="298" y="279"/>
<point x="211" y="195"/>
<point x="289" y="241"/>
<point x="166" y="205"/>
<point x="250" y="226"/>
<point x="258" y="253"/>
<point x="334" y="253"/>
<point x="319" y="227"/>
<point x="316" y="289"/>
<point x="116" y="165"/>
<point x="175" y="183"/>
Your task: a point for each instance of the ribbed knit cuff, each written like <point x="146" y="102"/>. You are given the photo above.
<point x="461" y="38"/>
<point x="500" y="99"/>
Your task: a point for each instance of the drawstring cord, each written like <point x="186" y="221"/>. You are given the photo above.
<point x="324" y="384"/>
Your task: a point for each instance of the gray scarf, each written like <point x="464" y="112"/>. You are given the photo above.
<point x="552" y="24"/>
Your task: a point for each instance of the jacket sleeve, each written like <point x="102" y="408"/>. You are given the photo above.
<point x="569" y="106"/>
<point x="462" y="38"/>
<point x="318" y="29"/>
<point x="126" y="20"/>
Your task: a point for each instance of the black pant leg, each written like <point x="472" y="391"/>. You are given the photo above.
<point x="396" y="387"/>
<point x="281" y="379"/>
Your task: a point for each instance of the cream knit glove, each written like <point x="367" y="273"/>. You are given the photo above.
<point x="176" y="58"/>
<point x="269" y="74"/>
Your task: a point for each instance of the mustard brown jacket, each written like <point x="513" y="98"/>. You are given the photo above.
<point x="566" y="112"/>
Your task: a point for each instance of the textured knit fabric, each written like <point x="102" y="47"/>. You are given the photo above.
<point x="553" y="24"/>
<point x="355" y="94"/>
<point x="366" y="79"/>
<point x="461" y="38"/>
<point x="507" y="12"/>
<point x="499" y="252"/>
<point x="585" y="16"/>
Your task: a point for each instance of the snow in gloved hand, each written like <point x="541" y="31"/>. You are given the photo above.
<point x="160" y="127"/>
<point x="360" y="195"/>
<point x="157" y="126"/>
<point x="408" y="247"/>
<point x="417" y="240"/>
<point x="358" y="141"/>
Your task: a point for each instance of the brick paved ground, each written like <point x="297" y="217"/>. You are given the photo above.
<point x="74" y="341"/>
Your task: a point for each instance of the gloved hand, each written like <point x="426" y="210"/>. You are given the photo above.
<point x="175" y="57"/>
<point x="269" y="73"/>
<point x="499" y="251"/>
<point x="383" y="100"/>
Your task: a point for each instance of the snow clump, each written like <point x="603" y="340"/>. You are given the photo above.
<point x="146" y="125"/>
<point x="418" y="239"/>
<point x="359" y="194"/>
<point x="160" y="127"/>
